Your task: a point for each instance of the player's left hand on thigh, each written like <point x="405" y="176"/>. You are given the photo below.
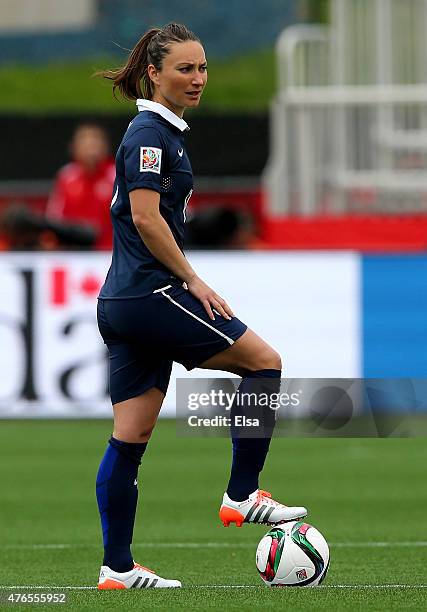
<point x="209" y="298"/>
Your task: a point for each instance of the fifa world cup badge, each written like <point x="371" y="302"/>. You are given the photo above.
<point x="150" y="159"/>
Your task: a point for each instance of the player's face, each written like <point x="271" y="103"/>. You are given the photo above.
<point x="180" y="82"/>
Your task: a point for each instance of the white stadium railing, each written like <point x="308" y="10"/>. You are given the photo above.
<point x="349" y="122"/>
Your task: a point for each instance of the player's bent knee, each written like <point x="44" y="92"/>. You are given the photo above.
<point x="276" y="361"/>
<point x="145" y="434"/>
<point x="268" y="360"/>
<point x="133" y="434"/>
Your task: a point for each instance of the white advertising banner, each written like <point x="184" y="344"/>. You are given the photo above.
<point x="53" y="362"/>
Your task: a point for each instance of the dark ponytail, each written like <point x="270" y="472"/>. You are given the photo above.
<point x="132" y="79"/>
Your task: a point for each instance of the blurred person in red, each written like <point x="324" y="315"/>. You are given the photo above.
<point x="83" y="188"/>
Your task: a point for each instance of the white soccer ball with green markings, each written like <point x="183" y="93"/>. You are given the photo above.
<point x="292" y="554"/>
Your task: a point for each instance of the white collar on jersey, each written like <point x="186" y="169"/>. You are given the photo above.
<point x="155" y="107"/>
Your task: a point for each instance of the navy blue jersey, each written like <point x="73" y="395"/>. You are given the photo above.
<point x="151" y="156"/>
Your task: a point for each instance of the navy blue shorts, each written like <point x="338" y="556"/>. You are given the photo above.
<point x="146" y="335"/>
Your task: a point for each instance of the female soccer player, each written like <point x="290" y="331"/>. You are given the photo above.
<point x="154" y="309"/>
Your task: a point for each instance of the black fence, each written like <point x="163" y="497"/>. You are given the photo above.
<point x="34" y="147"/>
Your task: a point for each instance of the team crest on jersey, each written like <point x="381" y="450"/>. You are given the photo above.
<point x="150" y="159"/>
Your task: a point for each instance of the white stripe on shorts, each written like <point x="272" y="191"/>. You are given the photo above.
<point x="229" y="340"/>
<point x="162" y="289"/>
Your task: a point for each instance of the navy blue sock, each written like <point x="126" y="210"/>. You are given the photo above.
<point x="249" y="453"/>
<point x="117" y="495"/>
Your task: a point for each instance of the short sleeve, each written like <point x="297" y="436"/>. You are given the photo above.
<point x="144" y="160"/>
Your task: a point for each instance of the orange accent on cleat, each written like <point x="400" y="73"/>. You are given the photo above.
<point x="109" y="584"/>
<point x="260" y="495"/>
<point x="147" y="569"/>
<point x="229" y="515"/>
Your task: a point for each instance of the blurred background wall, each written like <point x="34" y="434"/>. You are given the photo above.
<point x="45" y="30"/>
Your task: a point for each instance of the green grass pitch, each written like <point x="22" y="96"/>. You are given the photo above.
<point x="368" y="498"/>
<point x="234" y="86"/>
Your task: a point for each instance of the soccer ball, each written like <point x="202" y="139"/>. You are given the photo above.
<point x="293" y="554"/>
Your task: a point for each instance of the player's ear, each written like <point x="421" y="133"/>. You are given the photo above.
<point x="153" y="74"/>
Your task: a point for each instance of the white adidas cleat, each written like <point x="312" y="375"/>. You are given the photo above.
<point x="259" y="508"/>
<point x="137" y="578"/>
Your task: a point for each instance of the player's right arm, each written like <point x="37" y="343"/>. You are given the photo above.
<point x="158" y="238"/>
